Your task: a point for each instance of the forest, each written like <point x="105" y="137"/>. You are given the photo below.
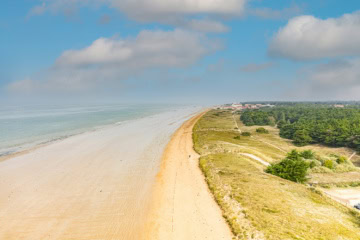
<point x="311" y="123"/>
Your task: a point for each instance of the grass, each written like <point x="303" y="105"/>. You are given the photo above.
<point x="258" y="205"/>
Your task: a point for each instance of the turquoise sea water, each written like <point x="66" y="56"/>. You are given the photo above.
<point x="27" y="126"/>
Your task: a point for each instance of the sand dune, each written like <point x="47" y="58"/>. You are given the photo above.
<point x="93" y="186"/>
<point x="182" y="206"/>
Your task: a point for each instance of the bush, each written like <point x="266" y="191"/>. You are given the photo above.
<point x="292" y="168"/>
<point x="329" y="164"/>
<point x="341" y="160"/>
<point x="307" y="154"/>
<point x="237" y="137"/>
<point x="262" y="130"/>
<point x="246" y="134"/>
<point x="312" y="164"/>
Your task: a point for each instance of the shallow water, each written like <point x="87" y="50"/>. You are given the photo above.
<point x="22" y="127"/>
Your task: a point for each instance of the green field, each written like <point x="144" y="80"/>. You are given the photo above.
<point x="258" y="205"/>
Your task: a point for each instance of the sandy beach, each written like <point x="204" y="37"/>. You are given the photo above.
<point x="92" y="186"/>
<point x="182" y="206"/>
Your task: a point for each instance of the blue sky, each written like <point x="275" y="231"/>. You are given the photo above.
<point x="200" y="51"/>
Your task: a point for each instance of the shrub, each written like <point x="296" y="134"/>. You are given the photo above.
<point x="320" y="169"/>
<point x="307" y="154"/>
<point x="329" y="164"/>
<point x="292" y="168"/>
<point x="341" y="160"/>
<point x="237" y="137"/>
<point x="246" y="134"/>
<point x="262" y="130"/>
<point x="312" y="164"/>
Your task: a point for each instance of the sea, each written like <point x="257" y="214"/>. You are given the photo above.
<point x="24" y="127"/>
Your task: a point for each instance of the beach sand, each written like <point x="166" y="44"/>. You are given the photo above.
<point x="92" y="186"/>
<point x="182" y="207"/>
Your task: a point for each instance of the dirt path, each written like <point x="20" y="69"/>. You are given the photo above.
<point x="352" y="155"/>
<point x="183" y="207"/>
<point x="252" y="156"/>
<point x="236" y="124"/>
<point x="272" y="145"/>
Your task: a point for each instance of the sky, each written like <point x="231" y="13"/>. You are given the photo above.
<point x="179" y="51"/>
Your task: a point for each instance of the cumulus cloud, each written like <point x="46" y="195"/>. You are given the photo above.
<point x="339" y="79"/>
<point x="307" y="37"/>
<point x="340" y="73"/>
<point x="255" y="67"/>
<point x="180" y="13"/>
<point x="176" y="48"/>
<point x="205" y="25"/>
<point x="113" y="59"/>
<point x="155" y="10"/>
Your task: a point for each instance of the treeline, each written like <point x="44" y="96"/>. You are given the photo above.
<point x="259" y="118"/>
<point x="338" y="127"/>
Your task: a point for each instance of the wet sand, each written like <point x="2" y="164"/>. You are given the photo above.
<point x="92" y="186"/>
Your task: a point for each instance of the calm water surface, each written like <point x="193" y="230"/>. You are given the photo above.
<point x="26" y="126"/>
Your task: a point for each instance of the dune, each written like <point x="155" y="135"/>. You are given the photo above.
<point x="92" y="186"/>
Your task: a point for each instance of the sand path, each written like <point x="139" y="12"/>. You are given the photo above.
<point x="93" y="186"/>
<point x="182" y="206"/>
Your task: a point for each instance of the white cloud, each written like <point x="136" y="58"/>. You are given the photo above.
<point x="101" y="51"/>
<point x="285" y="13"/>
<point x="334" y="80"/>
<point x="113" y="60"/>
<point x="307" y="37"/>
<point x="206" y="25"/>
<point x="338" y="74"/>
<point x="153" y="10"/>
<point x="255" y="67"/>
<point x="176" y="48"/>
<point x="180" y="13"/>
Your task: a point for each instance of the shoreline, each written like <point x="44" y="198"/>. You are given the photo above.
<point x="182" y="206"/>
<point x="31" y="146"/>
<point x="14" y="150"/>
<point x="95" y="185"/>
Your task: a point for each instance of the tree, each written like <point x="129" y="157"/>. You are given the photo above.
<point x="292" y="168"/>
<point x="301" y="137"/>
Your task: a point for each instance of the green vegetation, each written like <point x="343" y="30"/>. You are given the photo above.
<point x="258" y="205"/>
<point x="310" y="123"/>
<point x="262" y="130"/>
<point x="258" y="118"/>
<point x="329" y="164"/>
<point x="292" y="168"/>
<point x="307" y="154"/>
<point x="246" y="134"/>
<point x="341" y="159"/>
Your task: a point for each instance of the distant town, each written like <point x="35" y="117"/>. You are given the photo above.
<point x="240" y="106"/>
<point x="243" y="106"/>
